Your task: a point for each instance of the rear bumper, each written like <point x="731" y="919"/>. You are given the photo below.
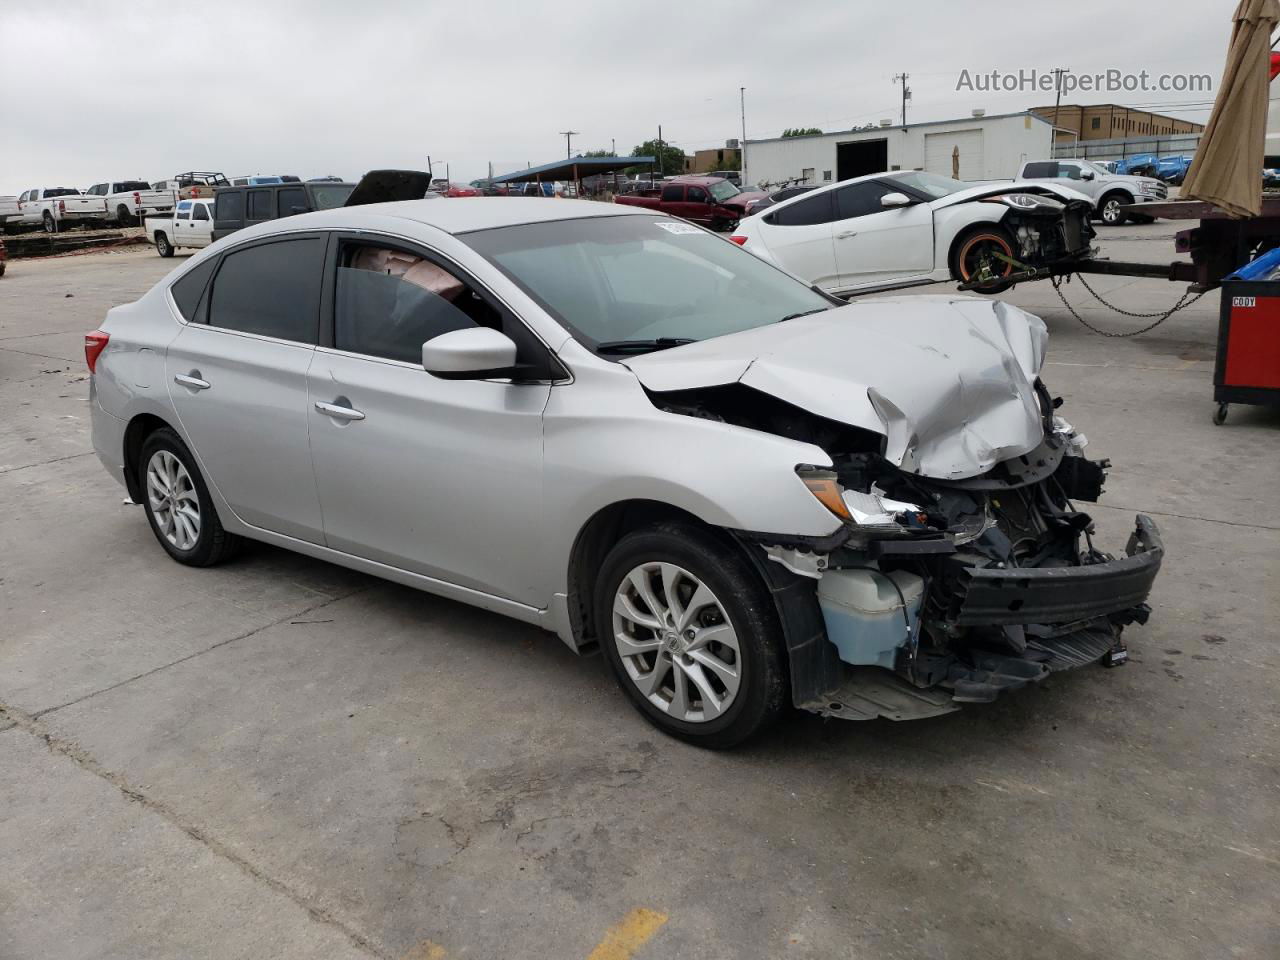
<point x="1049" y="595"/>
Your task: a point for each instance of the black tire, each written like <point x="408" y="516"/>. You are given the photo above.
<point x="1" y="268"/>
<point x="163" y="246"/>
<point x="213" y="544"/>
<point x="1141" y="218"/>
<point x="762" y="693"/>
<point x="970" y="246"/>
<point x="49" y="225"/>
<point x="1109" y="211"/>
<point x="124" y="217"/>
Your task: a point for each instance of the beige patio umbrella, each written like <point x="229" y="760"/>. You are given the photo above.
<point x="1227" y="170"/>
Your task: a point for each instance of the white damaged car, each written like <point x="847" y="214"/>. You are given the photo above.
<point x="623" y="429"/>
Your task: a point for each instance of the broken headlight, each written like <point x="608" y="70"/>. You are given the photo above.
<point x="1028" y="201"/>
<point x="873" y="510"/>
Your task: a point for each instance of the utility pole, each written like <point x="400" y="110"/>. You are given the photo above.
<point x="742" y="144"/>
<point x="662" y="167"/>
<point x="902" y="78"/>
<point x="568" y="135"/>
<point x="1057" y="101"/>
<point x="613" y="146"/>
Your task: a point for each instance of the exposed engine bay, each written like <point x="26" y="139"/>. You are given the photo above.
<point x="961" y="588"/>
<point x="1048" y="230"/>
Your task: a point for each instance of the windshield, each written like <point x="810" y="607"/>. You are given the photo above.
<point x="1096" y="167"/>
<point x="930" y="184"/>
<point x="722" y="190"/>
<point x="637" y="278"/>
<point x="327" y="198"/>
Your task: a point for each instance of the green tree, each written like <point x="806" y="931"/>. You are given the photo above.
<point x="670" y="160"/>
<point x="801" y="131"/>
<point x="598" y="153"/>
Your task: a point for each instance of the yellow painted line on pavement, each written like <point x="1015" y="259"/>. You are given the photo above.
<point x="426" y="950"/>
<point x="624" y="938"/>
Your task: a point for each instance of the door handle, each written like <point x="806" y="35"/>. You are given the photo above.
<point x="195" y="383"/>
<point x="340" y="413"/>
<point x="846" y="235"/>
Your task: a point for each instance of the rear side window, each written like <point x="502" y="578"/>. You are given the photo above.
<point x="259" y="205"/>
<point x="1040" y="169"/>
<point x="291" y="200"/>
<point x="230" y="205"/>
<point x="804" y="213"/>
<point x="272" y="289"/>
<point x="188" y="289"/>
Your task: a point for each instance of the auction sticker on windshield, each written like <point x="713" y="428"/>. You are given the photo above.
<point x="678" y="228"/>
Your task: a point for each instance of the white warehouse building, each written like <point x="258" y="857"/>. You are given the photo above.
<point x="976" y="148"/>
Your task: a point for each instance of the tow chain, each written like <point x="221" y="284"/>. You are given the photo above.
<point x="1186" y="300"/>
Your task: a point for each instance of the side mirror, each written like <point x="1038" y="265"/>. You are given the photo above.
<point x="1087" y="175"/>
<point x="891" y="200"/>
<point x="477" y="353"/>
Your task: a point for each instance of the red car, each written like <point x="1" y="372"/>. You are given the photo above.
<point x="711" y="201"/>
<point x="462" y="190"/>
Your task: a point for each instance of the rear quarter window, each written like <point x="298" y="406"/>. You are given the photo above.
<point x="189" y="288"/>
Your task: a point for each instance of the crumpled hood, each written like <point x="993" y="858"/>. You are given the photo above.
<point x="995" y="188"/>
<point x="949" y="381"/>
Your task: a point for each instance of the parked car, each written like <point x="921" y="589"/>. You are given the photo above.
<point x="748" y="494"/>
<point x="1109" y="192"/>
<point x="256" y="180"/>
<point x="4" y="256"/>
<point x="711" y="201"/>
<point x="55" y="208"/>
<point x="462" y="190"/>
<point x="9" y="210"/>
<point x="786" y="193"/>
<point x="192" y="184"/>
<point x="733" y="176"/>
<point x="127" y="201"/>
<point x="190" y="225"/>
<point x="240" y="207"/>
<point x="1139" y="165"/>
<point x="910" y="227"/>
<point x="1173" y="170"/>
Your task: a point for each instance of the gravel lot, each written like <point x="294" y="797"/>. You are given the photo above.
<point x="281" y="758"/>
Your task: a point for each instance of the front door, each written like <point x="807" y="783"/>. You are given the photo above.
<point x="874" y="245"/>
<point x="439" y="477"/>
<point x="239" y="383"/>
<point x="201" y="223"/>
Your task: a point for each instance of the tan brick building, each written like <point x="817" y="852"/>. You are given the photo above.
<point x="721" y="158"/>
<point x="1111" y="121"/>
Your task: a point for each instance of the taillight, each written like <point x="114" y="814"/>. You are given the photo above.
<point x="94" y="344"/>
<point x="738" y="239"/>
<point x="137" y="199"/>
<point x="62" y="206"/>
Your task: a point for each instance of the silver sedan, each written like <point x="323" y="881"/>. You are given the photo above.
<point x="624" y="429"/>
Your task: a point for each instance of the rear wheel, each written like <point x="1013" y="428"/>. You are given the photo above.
<point x="178" y="505"/>
<point x="984" y="252"/>
<point x="49" y="225"/>
<point x="691" y="635"/>
<point x="124" y="217"/>
<point x="163" y="246"/>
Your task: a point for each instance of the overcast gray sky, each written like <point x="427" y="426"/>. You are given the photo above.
<point x="108" y="90"/>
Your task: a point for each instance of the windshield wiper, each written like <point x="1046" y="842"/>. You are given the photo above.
<point x="642" y="346"/>
<point x="803" y="313"/>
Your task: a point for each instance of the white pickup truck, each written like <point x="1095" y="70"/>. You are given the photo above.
<point x="57" y="207"/>
<point x="128" y="201"/>
<point x="190" y="225"/>
<point x="9" y="211"/>
<point x="1108" y="191"/>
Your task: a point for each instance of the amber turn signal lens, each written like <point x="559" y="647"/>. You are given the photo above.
<point x="827" y="491"/>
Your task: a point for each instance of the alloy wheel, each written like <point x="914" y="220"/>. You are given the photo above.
<point x="175" y="505"/>
<point x="676" y="642"/>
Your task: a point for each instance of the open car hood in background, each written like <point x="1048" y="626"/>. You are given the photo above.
<point x="949" y="381"/>
<point x="385" y="186"/>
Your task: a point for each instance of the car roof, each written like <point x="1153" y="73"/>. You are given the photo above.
<point x="457" y="215"/>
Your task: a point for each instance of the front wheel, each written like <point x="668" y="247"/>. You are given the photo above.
<point x="163" y="246"/>
<point x="1109" y="211"/>
<point x="691" y="635"/>
<point x="984" y="254"/>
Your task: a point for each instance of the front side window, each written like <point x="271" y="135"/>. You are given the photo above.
<point x="1040" y="170"/>
<point x="271" y="289"/>
<point x="388" y="303"/>
<point x="642" y="279"/>
<point x="200" y="211"/>
<point x="259" y="205"/>
<point x="860" y="199"/>
<point x="697" y="195"/>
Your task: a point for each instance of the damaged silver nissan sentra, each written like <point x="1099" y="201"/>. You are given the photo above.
<point x="626" y="430"/>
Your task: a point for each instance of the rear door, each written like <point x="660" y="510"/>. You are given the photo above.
<point x="874" y="245"/>
<point x="259" y="206"/>
<point x="237" y="376"/>
<point x="799" y="236"/>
